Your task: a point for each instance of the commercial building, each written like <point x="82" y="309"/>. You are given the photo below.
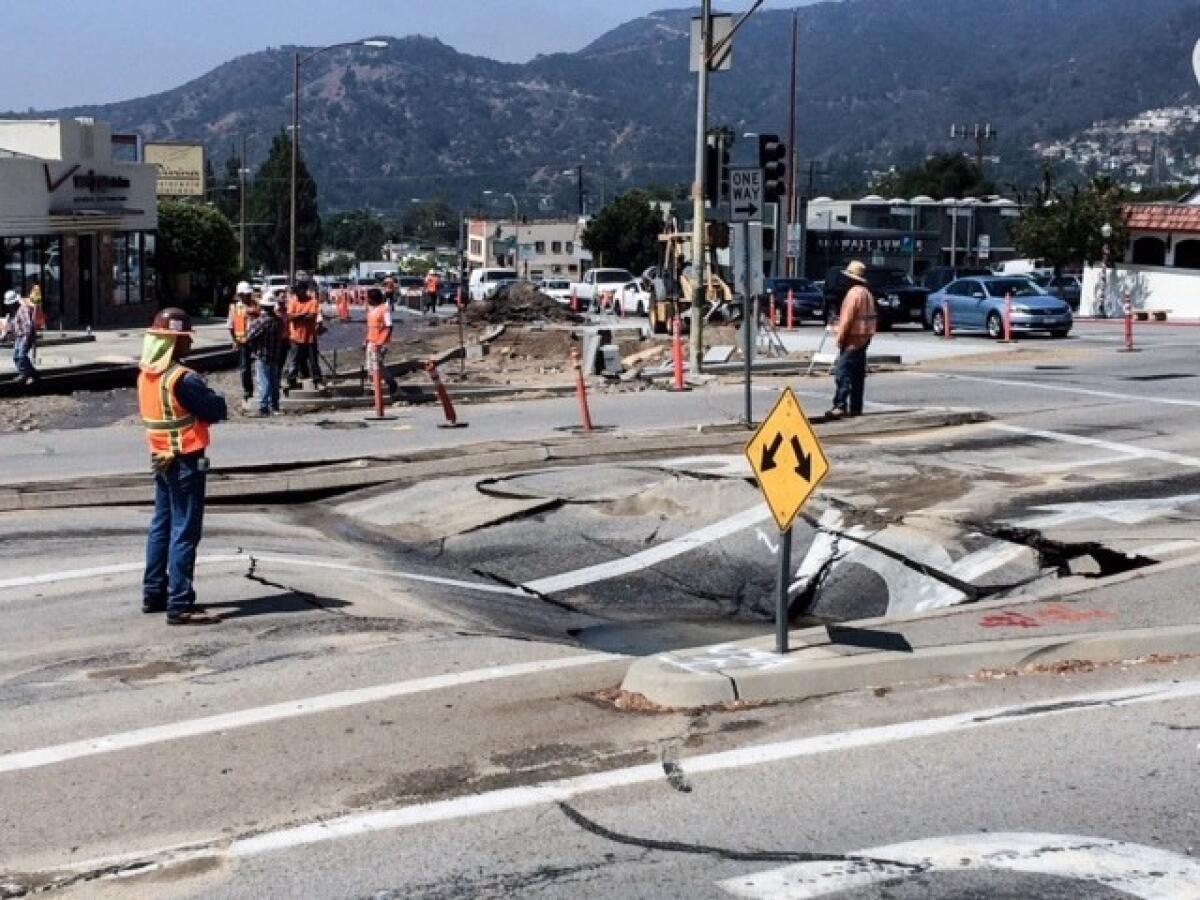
<point x="78" y="222"/>
<point x="909" y="235"/>
<point x="541" y="249"/>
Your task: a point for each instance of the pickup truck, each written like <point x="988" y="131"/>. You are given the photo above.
<point x="599" y="281"/>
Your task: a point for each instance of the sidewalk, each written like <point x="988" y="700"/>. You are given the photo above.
<point x="1137" y="614"/>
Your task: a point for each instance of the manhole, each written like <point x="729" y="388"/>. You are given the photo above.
<point x="1053" y="368"/>
<point x="341" y="426"/>
<point x="1168" y="376"/>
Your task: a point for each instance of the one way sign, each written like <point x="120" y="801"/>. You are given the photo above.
<point x="745" y="195"/>
<point x="787" y="460"/>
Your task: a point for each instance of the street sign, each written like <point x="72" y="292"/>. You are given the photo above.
<point x="755" y="255"/>
<point x="795" y="237"/>
<point x="985" y="246"/>
<point x="528" y="252"/>
<point x="722" y="25"/>
<point x="745" y="194"/>
<point x="787" y="460"/>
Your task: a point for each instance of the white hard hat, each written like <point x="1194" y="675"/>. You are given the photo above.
<point x="244" y="288"/>
<point x="268" y="300"/>
<point x="11" y="298"/>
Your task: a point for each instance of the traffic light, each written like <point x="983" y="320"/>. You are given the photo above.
<point x="716" y="169"/>
<point x="771" y="159"/>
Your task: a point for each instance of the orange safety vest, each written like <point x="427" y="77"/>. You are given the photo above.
<point x="432" y="284"/>
<point x="239" y="321"/>
<point x="170" y="429"/>
<point x="303" y="332"/>
<point x="377" y="326"/>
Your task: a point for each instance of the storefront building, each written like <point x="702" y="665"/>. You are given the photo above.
<point x="77" y="222"/>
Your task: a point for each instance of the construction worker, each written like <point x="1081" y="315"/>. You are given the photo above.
<point x="304" y="315"/>
<point x="242" y="312"/>
<point x="389" y="293"/>
<point x="39" y="310"/>
<point x="177" y="408"/>
<point x="266" y="344"/>
<point x="379" y="338"/>
<point x="21" y="328"/>
<point x="433" y="284"/>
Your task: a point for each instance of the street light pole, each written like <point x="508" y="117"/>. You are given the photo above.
<point x="699" y="282"/>
<point x="242" y="212"/>
<point x="298" y="61"/>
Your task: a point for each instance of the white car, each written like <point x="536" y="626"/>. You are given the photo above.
<point x="635" y="300"/>
<point x="484" y="281"/>
<point x="598" y="282"/>
<point x="277" y="281"/>
<point x="556" y="289"/>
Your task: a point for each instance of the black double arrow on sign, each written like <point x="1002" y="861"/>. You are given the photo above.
<point x="803" y="460"/>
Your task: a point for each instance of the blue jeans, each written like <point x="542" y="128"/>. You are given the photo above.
<point x="22" y="361"/>
<point x="850" y="375"/>
<point x="268" y="386"/>
<point x="175" y="533"/>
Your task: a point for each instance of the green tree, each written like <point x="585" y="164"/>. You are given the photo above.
<point x="341" y="264"/>
<point x="941" y="175"/>
<point x="1062" y="224"/>
<point x="430" y="222"/>
<point x="226" y="187"/>
<point x="360" y="233"/>
<point x="269" y="208"/>
<point x="197" y="241"/>
<point x="625" y="233"/>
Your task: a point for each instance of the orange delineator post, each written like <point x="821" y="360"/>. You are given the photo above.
<point x="1128" y="322"/>
<point x="791" y="310"/>
<point x="774" y="313"/>
<point x="377" y="384"/>
<point x="574" y="301"/>
<point x="581" y="390"/>
<point x="1008" y="318"/>
<point x="677" y="353"/>
<point x="946" y="319"/>
<point x="444" y="396"/>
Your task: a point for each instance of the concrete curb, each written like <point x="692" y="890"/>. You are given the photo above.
<point x="275" y="481"/>
<point x="815" y="669"/>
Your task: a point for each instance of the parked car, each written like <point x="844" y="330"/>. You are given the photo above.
<point x="410" y="290"/>
<point x="557" y="289"/>
<point x="977" y="304"/>
<point x="597" y="281"/>
<point x="807" y="301"/>
<point x="897" y="300"/>
<point x="940" y="276"/>
<point x="448" y="290"/>
<point x="484" y="281"/>
<point x="1068" y="288"/>
<point x="635" y="300"/>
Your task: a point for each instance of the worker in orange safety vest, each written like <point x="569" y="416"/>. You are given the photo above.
<point x="242" y="311"/>
<point x="379" y="338"/>
<point x="177" y="408"/>
<point x="433" y="284"/>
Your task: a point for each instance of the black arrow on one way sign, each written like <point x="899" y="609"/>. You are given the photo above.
<point x="768" y="453"/>
<point x="746" y="210"/>
<point x="803" y="460"/>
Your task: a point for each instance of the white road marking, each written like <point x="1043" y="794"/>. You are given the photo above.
<point x="1168" y="548"/>
<point x="101" y="571"/>
<point x="1131" y="450"/>
<point x="1133" y="869"/>
<point x="291" y="709"/>
<point x="509" y="799"/>
<point x="1122" y="512"/>
<point x="1062" y="389"/>
<point x="627" y="565"/>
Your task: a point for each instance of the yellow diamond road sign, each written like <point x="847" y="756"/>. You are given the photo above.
<point x="787" y="460"/>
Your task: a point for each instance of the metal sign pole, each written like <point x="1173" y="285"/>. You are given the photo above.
<point x="785" y="581"/>
<point x="749" y="315"/>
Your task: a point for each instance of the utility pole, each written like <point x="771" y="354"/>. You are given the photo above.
<point x="295" y="152"/>
<point x="242" y="213"/>
<point x="579" y="188"/>
<point x="980" y="134"/>
<point x="789" y="216"/>
<point x="699" y="282"/>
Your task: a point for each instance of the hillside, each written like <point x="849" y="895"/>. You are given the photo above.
<point x="880" y="81"/>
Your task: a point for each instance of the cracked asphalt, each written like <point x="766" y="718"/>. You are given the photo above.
<point x="403" y="700"/>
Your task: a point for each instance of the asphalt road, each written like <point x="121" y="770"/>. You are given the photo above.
<point x="386" y="712"/>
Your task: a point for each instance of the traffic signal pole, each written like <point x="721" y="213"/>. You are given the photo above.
<point x="699" y="282"/>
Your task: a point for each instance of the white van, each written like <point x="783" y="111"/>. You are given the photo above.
<point x="1023" y="267"/>
<point x="484" y="281"/>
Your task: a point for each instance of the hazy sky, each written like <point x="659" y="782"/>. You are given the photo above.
<point x="57" y="53"/>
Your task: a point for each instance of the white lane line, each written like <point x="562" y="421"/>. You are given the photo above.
<point x="101" y="571"/>
<point x="510" y="799"/>
<point x="1132" y="869"/>
<point x="1062" y="389"/>
<point x="1127" y="449"/>
<point x="245" y="557"/>
<point x="644" y="559"/>
<point x="291" y="709"/>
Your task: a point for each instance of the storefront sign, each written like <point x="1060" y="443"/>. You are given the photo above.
<point x="180" y="168"/>
<point x="99" y="183"/>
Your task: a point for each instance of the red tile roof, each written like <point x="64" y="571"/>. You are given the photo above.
<point x="1162" y="217"/>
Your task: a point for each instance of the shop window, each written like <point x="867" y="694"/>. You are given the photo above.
<point x="127" y="269"/>
<point x="149" y="268"/>
<point x="49" y="258"/>
<point x="1187" y="254"/>
<point x="1149" y="251"/>
<point x="14" y="265"/>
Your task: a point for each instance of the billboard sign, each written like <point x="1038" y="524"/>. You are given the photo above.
<point x="180" y="168"/>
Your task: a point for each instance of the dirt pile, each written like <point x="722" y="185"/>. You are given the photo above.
<point x="519" y="303"/>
